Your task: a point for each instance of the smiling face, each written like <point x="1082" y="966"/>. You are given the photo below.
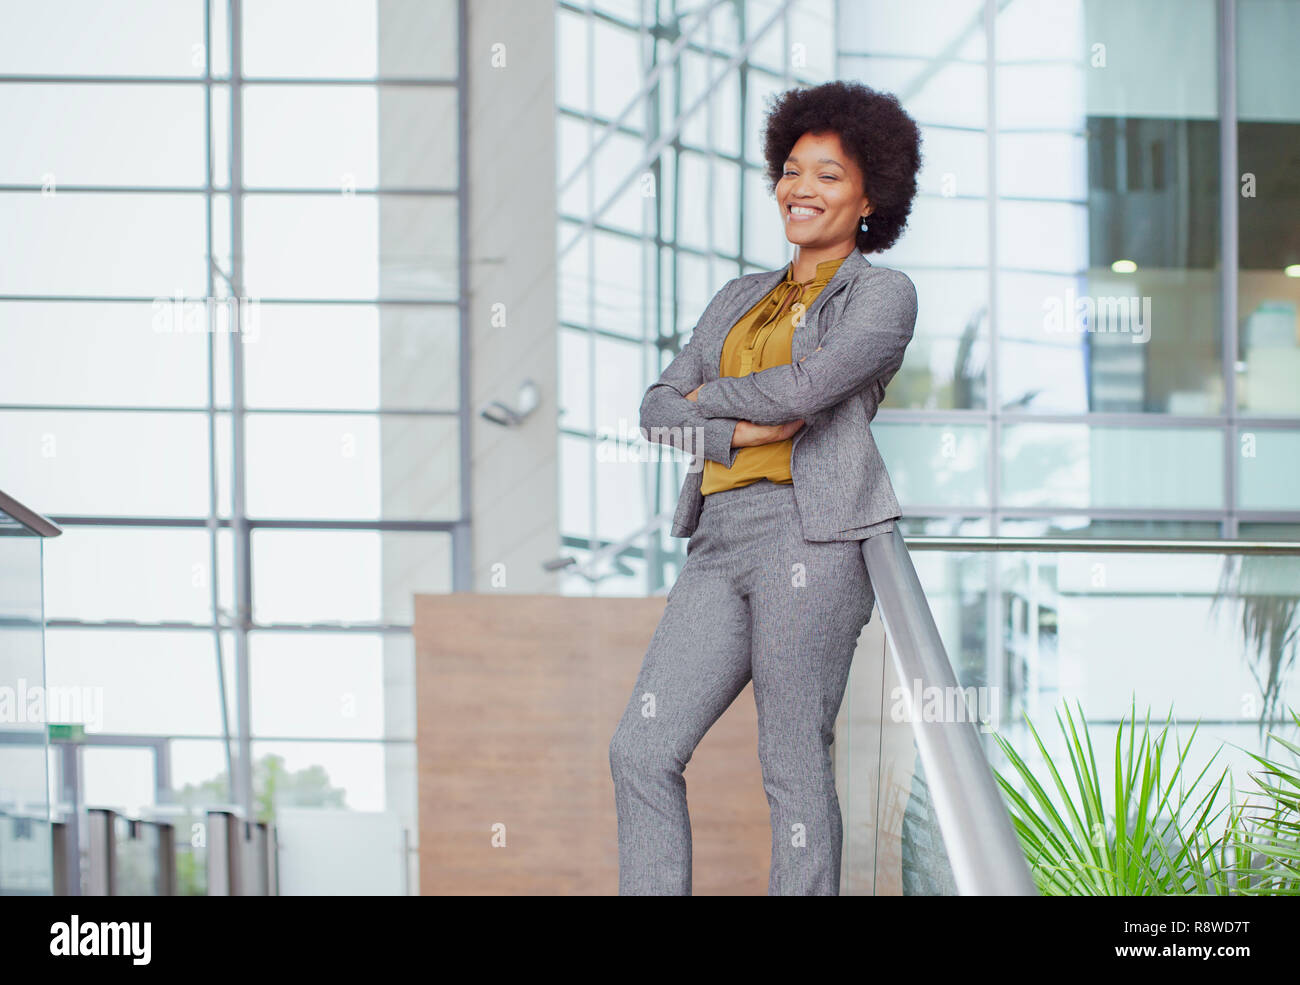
<point x="821" y="195"/>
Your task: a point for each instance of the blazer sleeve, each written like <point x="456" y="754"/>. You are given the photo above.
<point x="667" y="417"/>
<point x="865" y="344"/>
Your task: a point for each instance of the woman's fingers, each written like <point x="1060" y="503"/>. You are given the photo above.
<point x="747" y="434"/>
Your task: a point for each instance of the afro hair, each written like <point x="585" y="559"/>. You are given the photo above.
<point x="876" y="132"/>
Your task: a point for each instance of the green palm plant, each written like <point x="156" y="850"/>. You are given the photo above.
<point x="1169" y="841"/>
<point x="1265" y="845"/>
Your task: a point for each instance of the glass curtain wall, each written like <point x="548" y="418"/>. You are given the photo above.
<point x="230" y="296"/>
<point x="1102" y="243"/>
<point x="663" y="199"/>
<point x="1108" y="269"/>
<point x="26" y="862"/>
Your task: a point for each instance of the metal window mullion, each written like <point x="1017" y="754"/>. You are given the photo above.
<point x="710" y="164"/>
<point x="651" y="308"/>
<point x="670" y="136"/>
<point x="462" y="542"/>
<point x="133" y="626"/>
<point x="995" y="653"/>
<point x="210" y="79"/>
<point x="212" y="522"/>
<point x="590" y="233"/>
<point x="379" y="526"/>
<point x="1092" y="419"/>
<point x="141" y="299"/>
<point x="650" y="83"/>
<point x="243" y="593"/>
<point x="1228" y="251"/>
<point x="429" y="82"/>
<point x="280" y="411"/>
<point x="210" y="187"/>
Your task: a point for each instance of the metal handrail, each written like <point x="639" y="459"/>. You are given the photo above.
<point x="39" y="525"/>
<point x="982" y="846"/>
<point x="927" y="542"/>
<point x="1087" y="545"/>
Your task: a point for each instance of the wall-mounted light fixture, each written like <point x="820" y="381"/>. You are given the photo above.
<point x="527" y="401"/>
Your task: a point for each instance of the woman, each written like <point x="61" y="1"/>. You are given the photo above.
<point x="774" y="393"/>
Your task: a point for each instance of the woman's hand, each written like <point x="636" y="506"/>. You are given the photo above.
<point x="748" y="434"/>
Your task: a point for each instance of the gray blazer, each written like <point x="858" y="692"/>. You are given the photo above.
<point x="853" y="336"/>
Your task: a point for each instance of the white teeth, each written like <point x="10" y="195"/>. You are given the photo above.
<point x="802" y="210"/>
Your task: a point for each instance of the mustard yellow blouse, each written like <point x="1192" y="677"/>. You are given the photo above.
<point x="759" y="340"/>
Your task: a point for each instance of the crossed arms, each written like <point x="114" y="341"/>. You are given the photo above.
<point x="866" y="344"/>
<point x="669" y="418"/>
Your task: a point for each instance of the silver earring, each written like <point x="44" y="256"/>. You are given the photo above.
<point x="863" y="227"/>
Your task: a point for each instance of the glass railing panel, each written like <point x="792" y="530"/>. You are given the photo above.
<point x="923" y="867"/>
<point x="1206" y="634"/>
<point x="892" y="842"/>
<point x="191" y="868"/>
<point x="857" y="759"/>
<point x="907" y="708"/>
<point x="26" y="865"/>
<point x="25" y="854"/>
<point x="1207" y="638"/>
<point x="138" y="865"/>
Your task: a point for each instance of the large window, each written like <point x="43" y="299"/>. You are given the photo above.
<point x="662" y="200"/>
<point x="230" y="321"/>
<point x="1108" y="282"/>
<point x="1104" y="247"/>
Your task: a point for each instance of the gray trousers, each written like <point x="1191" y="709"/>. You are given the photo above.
<point x="754" y="600"/>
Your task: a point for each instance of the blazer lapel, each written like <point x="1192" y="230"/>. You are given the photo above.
<point x="805" y="336"/>
<point x="747" y="295"/>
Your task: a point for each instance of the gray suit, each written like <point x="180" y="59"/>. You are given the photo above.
<point x="853" y="335"/>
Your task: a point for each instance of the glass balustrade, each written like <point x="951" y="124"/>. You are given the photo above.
<point x="140" y="858"/>
<point x="25" y="857"/>
<point x="1203" y="634"/>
